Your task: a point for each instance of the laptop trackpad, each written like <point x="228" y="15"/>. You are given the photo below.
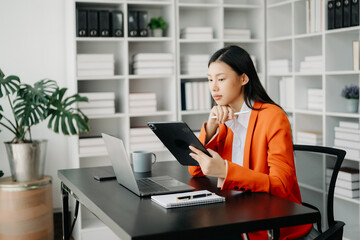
<point x="167" y="181"/>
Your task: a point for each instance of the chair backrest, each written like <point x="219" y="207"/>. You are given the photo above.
<point x="340" y="154"/>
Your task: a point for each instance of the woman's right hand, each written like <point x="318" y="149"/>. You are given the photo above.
<point x="218" y="115"/>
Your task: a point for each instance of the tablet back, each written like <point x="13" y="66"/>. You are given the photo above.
<point x="177" y="137"/>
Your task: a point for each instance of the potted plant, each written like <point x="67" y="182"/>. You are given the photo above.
<point x="351" y="95"/>
<point x="157" y="26"/>
<point x="29" y="106"/>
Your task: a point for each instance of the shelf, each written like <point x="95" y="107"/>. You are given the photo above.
<point x="342" y="114"/>
<point x="147" y="3"/>
<point x="308" y="35"/>
<point x="150" y="76"/>
<point x="335" y="73"/>
<point x="88" y="155"/>
<point x="133" y="77"/>
<point x="116" y="77"/>
<point x="195" y="112"/>
<point x="103" y="116"/>
<point x="278" y="39"/>
<point x="182" y="40"/>
<point x="342" y="30"/>
<point x="352" y="200"/>
<point x="101" y="1"/>
<point x="304" y="74"/>
<point x="92" y="224"/>
<point x="274" y="5"/>
<point x="242" y="6"/>
<point x="309" y="112"/>
<point x="243" y="41"/>
<point x="194" y="76"/>
<point x="158" y="113"/>
<point x="306" y="186"/>
<point x="149" y="39"/>
<point x="199" y="5"/>
<point x="99" y="39"/>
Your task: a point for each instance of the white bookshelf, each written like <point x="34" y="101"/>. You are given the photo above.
<point x="291" y="41"/>
<point x="218" y="14"/>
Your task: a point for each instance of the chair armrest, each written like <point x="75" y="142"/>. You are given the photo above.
<point x="335" y="232"/>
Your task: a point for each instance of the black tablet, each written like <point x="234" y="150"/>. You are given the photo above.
<point x="177" y="137"/>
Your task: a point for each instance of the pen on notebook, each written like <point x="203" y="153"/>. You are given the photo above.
<point x="237" y="113"/>
<point x="188" y="197"/>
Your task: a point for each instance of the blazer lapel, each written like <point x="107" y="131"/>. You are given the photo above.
<point x="249" y="134"/>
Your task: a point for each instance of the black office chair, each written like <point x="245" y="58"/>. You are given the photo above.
<point x="335" y="230"/>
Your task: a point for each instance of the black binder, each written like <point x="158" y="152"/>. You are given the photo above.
<point x="354" y="13"/>
<point x="338" y="13"/>
<point x="331" y="15"/>
<point x="133" y="23"/>
<point x="93" y="23"/>
<point x="117" y="24"/>
<point x="104" y="23"/>
<point x="81" y="23"/>
<point x="346" y="13"/>
<point x="143" y="24"/>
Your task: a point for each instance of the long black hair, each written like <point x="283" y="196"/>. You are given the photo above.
<point x="239" y="60"/>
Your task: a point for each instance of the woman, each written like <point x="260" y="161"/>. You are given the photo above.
<point x="248" y="136"/>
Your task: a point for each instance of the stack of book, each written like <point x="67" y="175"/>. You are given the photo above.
<point x="240" y="34"/>
<point x="309" y="138"/>
<point x="315" y="99"/>
<point x="153" y="63"/>
<point x="144" y="102"/>
<point x="92" y="145"/>
<point x="347" y="137"/>
<point x="89" y="65"/>
<point x="311" y="64"/>
<point x="195" y="64"/>
<point x="197" y="33"/>
<point x="99" y="103"/>
<point x="142" y="138"/>
<point x="314" y="14"/>
<point x="195" y="96"/>
<point x="286" y="87"/>
<point x="280" y="66"/>
<point x="347" y="183"/>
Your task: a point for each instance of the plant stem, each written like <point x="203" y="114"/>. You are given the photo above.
<point x="12" y="109"/>
<point x="8" y="128"/>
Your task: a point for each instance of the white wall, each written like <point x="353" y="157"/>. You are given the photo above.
<point x="32" y="46"/>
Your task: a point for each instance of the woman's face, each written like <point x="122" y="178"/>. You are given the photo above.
<point x="226" y="85"/>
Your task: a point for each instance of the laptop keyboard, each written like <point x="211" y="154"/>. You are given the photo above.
<point x="147" y="185"/>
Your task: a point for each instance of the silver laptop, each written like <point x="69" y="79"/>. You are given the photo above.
<point x="125" y="176"/>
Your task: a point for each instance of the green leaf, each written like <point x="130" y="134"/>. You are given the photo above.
<point x="31" y="104"/>
<point x="8" y="85"/>
<point x="63" y="114"/>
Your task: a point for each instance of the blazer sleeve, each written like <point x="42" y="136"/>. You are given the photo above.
<point x="272" y="168"/>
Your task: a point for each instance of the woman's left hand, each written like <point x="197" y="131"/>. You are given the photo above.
<point x="213" y="166"/>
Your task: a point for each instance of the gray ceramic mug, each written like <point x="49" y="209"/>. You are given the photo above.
<point x="143" y="161"/>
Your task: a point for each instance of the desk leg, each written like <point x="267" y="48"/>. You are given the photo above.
<point x="274" y="234"/>
<point x="65" y="213"/>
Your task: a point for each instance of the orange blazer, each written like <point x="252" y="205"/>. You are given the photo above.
<point x="268" y="163"/>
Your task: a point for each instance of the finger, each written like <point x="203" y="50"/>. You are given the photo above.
<point x="196" y="151"/>
<point x="231" y="113"/>
<point x="212" y="152"/>
<point x="225" y="114"/>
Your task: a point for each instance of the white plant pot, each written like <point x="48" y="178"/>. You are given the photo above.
<point x="352" y="105"/>
<point x="157" y="32"/>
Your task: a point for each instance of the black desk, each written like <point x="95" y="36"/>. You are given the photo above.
<point x="131" y="217"/>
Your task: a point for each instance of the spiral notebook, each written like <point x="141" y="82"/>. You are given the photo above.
<point x="182" y="200"/>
